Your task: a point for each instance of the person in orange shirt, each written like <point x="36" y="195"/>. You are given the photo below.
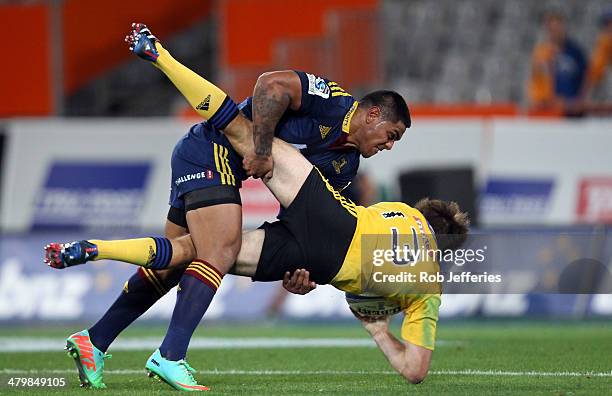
<point x="601" y="56"/>
<point x="558" y="68"/>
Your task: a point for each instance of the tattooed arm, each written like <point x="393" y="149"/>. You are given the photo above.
<point x="274" y="93"/>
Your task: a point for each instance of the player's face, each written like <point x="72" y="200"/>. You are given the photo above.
<point x="380" y="135"/>
<point x="555" y="26"/>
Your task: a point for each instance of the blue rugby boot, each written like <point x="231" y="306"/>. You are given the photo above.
<point x="142" y="42"/>
<point x="63" y="255"/>
<point x="178" y="375"/>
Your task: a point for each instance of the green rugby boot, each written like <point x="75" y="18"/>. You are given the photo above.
<point x="89" y="359"/>
<point x="178" y="375"/>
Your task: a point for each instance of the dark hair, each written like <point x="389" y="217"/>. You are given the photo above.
<point x="448" y="221"/>
<point x="554" y="13"/>
<point x="392" y="106"/>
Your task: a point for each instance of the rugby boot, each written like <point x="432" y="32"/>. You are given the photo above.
<point x="178" y="375"/>
<point x="142" y="42"/>
<point x="89" y="359"/>
<point x="63" y="255"/>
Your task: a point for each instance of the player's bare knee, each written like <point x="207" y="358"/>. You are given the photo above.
<point x="223" y="254"/>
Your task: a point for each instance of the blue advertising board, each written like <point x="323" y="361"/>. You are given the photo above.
<point x="87" y="194"/>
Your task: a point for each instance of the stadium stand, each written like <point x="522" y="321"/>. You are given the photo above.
<point x="118" y="93"/>
<point x="429" y="55"/>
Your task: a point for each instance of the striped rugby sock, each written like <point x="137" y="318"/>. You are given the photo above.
<point x="208" y="100"/>
<point x="197" y="288"/>
<point x="139" y="293"/>
<point x="205" y="272"/>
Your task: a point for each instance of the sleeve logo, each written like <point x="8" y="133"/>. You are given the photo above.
<point x="205" y="104"/>
<point x="317" y="86"/>
<point x="324" y="131"/>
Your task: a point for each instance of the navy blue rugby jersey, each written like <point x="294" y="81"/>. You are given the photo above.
<point x="320" y="128"/>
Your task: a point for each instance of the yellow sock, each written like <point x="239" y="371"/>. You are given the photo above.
<point x="154" y="253"/>
<point x="206" y="98"/>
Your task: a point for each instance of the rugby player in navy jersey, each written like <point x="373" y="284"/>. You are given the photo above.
<point x="330" y="127"/>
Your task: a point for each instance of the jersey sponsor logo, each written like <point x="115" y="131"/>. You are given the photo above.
<point x="424" y="239"/>
<point x="317" y="86"/>
<point x="346" y="123"/>
<point x="205" y="104"/>
<point x="324" y="130"/>
<point x="338" y="165"/>
<point x="390" y="215"/>
<point x="207" y="174"/>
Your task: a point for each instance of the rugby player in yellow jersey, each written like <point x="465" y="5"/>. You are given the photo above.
<point x="334" y="239"/>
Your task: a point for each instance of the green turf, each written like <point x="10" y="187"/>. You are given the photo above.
<point x="504" y="346"/>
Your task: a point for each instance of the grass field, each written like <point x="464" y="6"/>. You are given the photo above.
<point x="472" y="358"/>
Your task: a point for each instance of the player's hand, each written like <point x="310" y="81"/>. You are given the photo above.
<point x="373" y="324"/>
<point x="299" y="282"/>
<point x="258" y="166"/>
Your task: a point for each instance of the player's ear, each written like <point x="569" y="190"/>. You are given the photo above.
<point x="373" y="114"/>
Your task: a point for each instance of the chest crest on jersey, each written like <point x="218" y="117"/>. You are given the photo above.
<point x="324" y="131"/>
<point x="338" y="165"/>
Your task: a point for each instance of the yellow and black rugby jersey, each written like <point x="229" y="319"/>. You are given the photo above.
<point x="420" y="319"/>
<point x="402" y="233"/>
<point x="383" y="229"/>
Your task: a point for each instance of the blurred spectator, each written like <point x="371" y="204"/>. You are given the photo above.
<point x="558" y="69"/>
<point x="602" y="54"/>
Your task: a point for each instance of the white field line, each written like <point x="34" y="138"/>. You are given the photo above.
<point x="35" y="344"/>
<point x="493" y="373"/>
